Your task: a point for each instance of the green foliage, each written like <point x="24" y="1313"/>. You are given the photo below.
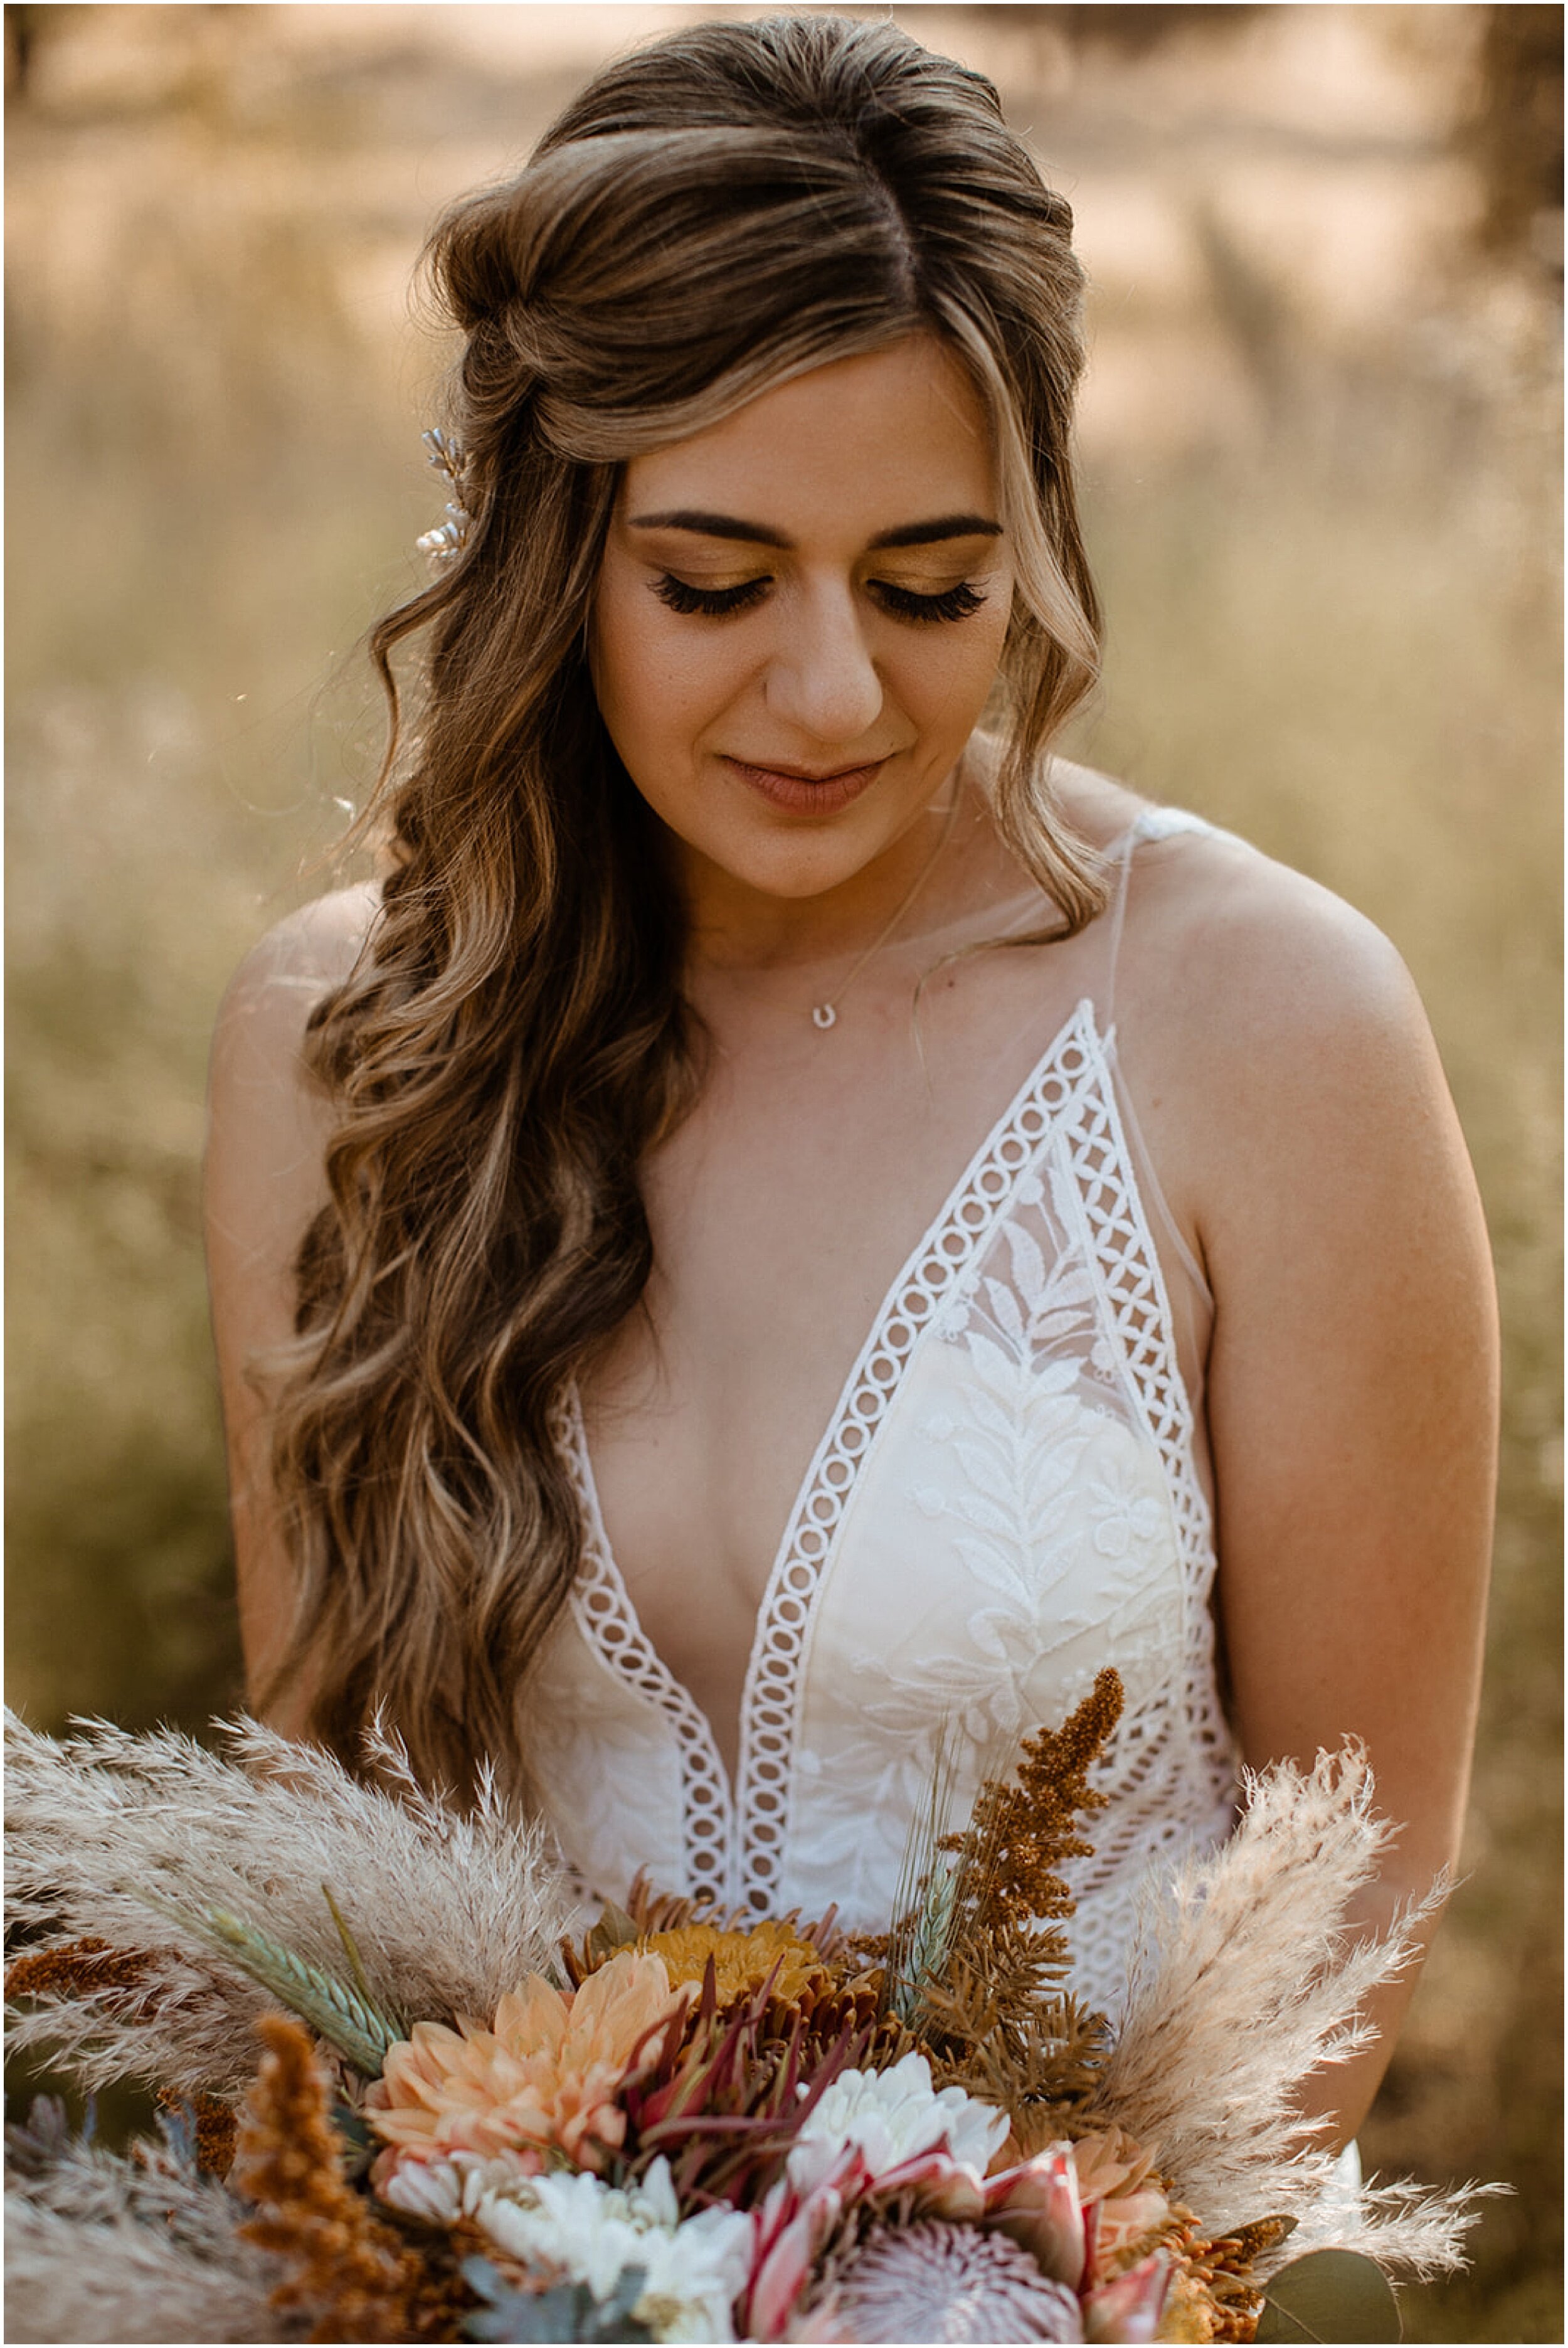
<point x="1329" y="2295"/>
<point x="567" y="2311"/>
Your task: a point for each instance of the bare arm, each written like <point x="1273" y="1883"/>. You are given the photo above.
<point x="1353" y="1377"/>
<point x="264" y="1182"/>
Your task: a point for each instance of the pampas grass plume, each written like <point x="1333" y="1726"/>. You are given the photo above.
<point x="134" y="1840"/>
<point x="1243" y="1982"/>
<point x="100" y="2247"/>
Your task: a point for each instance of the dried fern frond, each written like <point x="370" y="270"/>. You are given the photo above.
<point x="111" y="1833"/>
<point x="1241" y="1982"/>
<point x="1041" y="2069"/>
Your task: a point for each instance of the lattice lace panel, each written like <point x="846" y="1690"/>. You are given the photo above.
<point x="609" y="1622"/>
<point x="770" y="1708"/>
<point x="1042" y="1273"/>
<point x="1172" y="1767"/>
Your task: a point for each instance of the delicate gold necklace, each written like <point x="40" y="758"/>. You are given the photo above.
<point x="825" y="1015"/>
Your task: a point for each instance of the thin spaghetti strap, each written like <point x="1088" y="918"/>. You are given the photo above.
<point x="1154" y="823"/>
<point x="1120" y="854"/>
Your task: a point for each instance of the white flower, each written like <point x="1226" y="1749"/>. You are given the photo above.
<point x="445" y="2187"/>
<point x="692" y="2273"/>
<point x="890" y="2115"/>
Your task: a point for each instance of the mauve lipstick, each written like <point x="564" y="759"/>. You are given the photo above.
<point x="800" y="794"/>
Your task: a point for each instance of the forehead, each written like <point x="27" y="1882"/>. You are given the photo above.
<point x="855" y="447"/>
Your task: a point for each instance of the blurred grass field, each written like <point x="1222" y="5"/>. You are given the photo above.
<point x="1334" y="625"/>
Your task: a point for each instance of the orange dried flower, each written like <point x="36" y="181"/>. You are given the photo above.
<point x="216" y="2126"/>
<point x="1022" y="1831"/>
<point x="549" y="2071"/>
<point x="345" y="2270"/>
<point x="76" y="1968"/>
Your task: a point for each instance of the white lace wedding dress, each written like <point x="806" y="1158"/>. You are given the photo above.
<point x="1011" y="1493"/>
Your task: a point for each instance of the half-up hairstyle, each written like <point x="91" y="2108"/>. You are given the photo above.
<point x="717" y="213"/>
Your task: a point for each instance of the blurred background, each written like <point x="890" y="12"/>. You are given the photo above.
<point x="1320" y="446"/>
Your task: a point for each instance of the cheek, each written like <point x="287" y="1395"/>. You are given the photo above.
<point x="655" y="681"/>
<point x="948" y="673"/>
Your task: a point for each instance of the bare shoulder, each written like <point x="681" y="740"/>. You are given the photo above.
<point x="1261" y="965"/>
<point x="1276" y="1042"/>
<point x="301" y="957"/>
<point x="267" y="1121"/>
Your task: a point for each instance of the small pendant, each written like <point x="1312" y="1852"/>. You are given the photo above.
<point x="824" y="1015"/>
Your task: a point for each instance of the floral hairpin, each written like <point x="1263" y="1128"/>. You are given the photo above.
<point x="449" y="538"/>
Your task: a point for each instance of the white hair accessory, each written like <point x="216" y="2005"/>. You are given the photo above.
<point x="449" y="538"/>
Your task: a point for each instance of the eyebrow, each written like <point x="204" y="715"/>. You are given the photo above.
<point x="757" y="533"/>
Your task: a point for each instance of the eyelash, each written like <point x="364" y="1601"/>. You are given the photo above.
<point x="718" y="603"/>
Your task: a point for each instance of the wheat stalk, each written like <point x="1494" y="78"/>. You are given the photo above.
<point x="353" y="2023"/>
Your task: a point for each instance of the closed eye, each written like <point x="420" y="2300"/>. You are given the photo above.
<point x="903" y="602"/>
<point x="715" y="603"/>
<point x="955" y="604"/>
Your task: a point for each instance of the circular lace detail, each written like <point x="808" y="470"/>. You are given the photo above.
<point x="1171" y="1768"/>
<point x="608" y="1622"/>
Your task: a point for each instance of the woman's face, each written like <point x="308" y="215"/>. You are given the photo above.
<point x="800" y="614"/>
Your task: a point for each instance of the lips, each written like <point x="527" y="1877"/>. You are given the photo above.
<point x="798" y="791"/>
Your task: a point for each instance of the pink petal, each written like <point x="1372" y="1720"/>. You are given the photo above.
<point x="779" y="2281"/>
<point x="1037" y="2206"/>
<point x="944" y="2187"/>
<point x="1131" y="2307"/>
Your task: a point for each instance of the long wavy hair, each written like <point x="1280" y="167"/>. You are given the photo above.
<point x="720" y="212"/>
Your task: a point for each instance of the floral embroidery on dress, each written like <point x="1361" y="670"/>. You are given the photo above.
<point x="1004" y="1501"/>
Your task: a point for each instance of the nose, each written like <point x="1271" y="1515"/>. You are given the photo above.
<point x="821" y="680"/>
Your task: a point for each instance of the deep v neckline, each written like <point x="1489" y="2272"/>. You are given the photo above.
<point x="735" y="1831"/>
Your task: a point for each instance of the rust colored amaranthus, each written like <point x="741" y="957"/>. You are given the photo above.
<point x="347" y="2271"/>
<point x="998" y="2019"/>
<point x="76" y="1968"/>
<point x="1023" y="1829"/>
<point x="216" y="2125"/>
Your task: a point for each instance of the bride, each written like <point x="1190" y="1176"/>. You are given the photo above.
<point x="792" y="1227"/>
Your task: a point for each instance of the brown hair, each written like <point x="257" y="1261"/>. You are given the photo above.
<point x="726" y="208"/>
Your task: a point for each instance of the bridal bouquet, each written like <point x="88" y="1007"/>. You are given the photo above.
<point x="401" y="2101"/>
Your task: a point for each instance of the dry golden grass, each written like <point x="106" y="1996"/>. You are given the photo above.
<point x="1335" y="630"/>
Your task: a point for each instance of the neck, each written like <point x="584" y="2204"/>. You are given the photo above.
<point x="735" y="929"/>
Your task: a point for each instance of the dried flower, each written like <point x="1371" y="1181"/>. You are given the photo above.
<point x="108" y="1833"/>
<point x="891" y="2116"/>
<point x="1021" y="1833"/>
<point x="214" y="2126"/>
<point x="1242" y="1982"/>
<point x="135" y="2248"/>
<point x="548" y="2072"/>
<point x="345" y="2270"/>
<point x="450" y="538"/>
<point x="940" y="2282"/>
<point x="742" y="1960"/>
<point x="74" y="1969"/>
<point x="692" y="2273"/>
